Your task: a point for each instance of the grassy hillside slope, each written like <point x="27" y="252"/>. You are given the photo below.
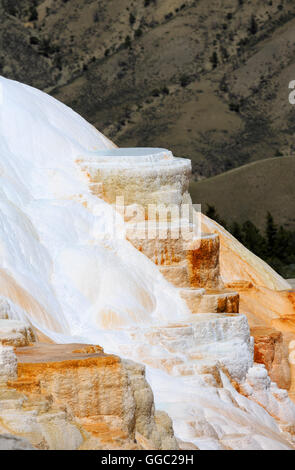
<point x="249" y="192"/>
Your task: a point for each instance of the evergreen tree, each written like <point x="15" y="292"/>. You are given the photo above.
<point x="212" y="213"/>
<point x="236" y="231"/>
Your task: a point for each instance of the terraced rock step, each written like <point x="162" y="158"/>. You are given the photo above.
<point x="137" y="174"/>
<point x="204" y="339"/>
<point x="210" y="301"/>
<point x="176" y="242"/>
<point x="176" y="274"/>
<point x="203" y="262"/>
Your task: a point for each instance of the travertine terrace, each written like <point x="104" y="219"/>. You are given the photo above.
<point x="76" y="397"/>
<point x="80" y="273"/>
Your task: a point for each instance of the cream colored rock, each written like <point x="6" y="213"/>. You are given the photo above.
<point x="145" y="176"/>
<point x="9" y="442"/>
<point x="8" y="364"/>
<point x="203" y="262"/>
<point x="176" y="274"/>
<point x="270" y="350"/>
<point x="195" y="345"/>
<point x="210" y="301"/>
<point x="165" y="243"/>
<point x="108" y="398"/>
<point x="259" y="388"/>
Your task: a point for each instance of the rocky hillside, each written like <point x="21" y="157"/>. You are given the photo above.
<point x="208" y="80"/>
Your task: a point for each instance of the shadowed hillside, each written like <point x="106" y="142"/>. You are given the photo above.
<point x="249" y="192"/>
<point x="208" y="80"/>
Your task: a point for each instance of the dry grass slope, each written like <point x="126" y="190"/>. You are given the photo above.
<point x="249" y="192"/>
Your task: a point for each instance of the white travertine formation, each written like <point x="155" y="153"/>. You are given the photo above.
<point x="142" y="176"/>
<point x="64" y="270"/>
<point x="9" y="442"/>
<point x="186" y="345"/>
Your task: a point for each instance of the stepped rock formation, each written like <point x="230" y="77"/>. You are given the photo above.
<point x="76" y="397"/>
<point x="88" y="263"/>
<point x="271" y="350"/>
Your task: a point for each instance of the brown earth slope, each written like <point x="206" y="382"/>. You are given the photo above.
<point x="248" y="192"/>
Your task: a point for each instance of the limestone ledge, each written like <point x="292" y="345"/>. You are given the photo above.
<point x="9" y="442"/>
<point x="137" y="174"/>
<point x="203" y="339"/>
<point x="76" y="397"/>
<point x="270" y="350"/>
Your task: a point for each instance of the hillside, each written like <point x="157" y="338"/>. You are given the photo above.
<point x="249" y="192"/>
<point x="209" y="80"/>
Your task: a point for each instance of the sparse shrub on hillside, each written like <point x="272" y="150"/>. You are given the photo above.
<point x="224" y="53"/>
<point x="223" y="86"/>
<point x="34" y="41"/>
<point x="185" y="80"/>
<point x="58" y="62"/>
<point x="46" y="48"/>
<point x="214" y="59"/>
<point x="12" y="10"/>
<point x="138" y="33"/>
<point x="165" y="90"/>
<point x="132" y="19"/>
<point x="253" y="25"/>
<point x="33" y="14"/>
<point x="234" y="106"/>
<point x="127" y="42"/>
<point x="149" y="2"/>
<point x="11" y="7"/>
